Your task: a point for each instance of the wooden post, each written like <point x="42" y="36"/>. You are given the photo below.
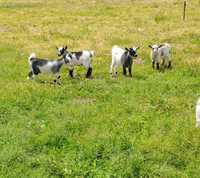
<point x="184" y="8"/>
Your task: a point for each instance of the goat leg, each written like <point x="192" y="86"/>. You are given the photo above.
<point x="129" y="70"/>
<point x="56" y="81"/>
<point x="124" y="70"/>
<point x="169" y="65"/>
<point x="71" y="73"/>
<point x="89" y="72"/>
<point x="157" y="66"/>
<point x="30" y="75"/>
<point x="153" y="64"/>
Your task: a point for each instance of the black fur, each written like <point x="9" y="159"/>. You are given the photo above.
<point x="132" y="52"/>
<point x="73" y="56"/>
<point x="169" y="65"/>
<point x="153" y="64"/>
<point x="130" y="71"/>
<point x="71" y="73"/>
<point x="56" y="68"/>
<point x="89" y="72"/>
<point x="35" y="68"/>
<point x="62" y="52"/>
<point x="78" y="54"/>
<point x="30" y="74"/>
<point x="127" y="61"/>
<point x="57" y="80"/>
<point x="37" y="62"/>
<point x="157" y="66"/>
<point x="124" y="70"/>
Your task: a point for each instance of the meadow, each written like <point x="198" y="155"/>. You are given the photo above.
<point x="142" y="126"/>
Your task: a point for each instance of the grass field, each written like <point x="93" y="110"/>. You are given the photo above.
<point x="107" y="128"/>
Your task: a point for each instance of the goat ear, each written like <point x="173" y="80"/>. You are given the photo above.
<point x="126" y="49"/>
<point x="150" y="46"/>
<point x="137" y="48"/>
<point x="66" y="47"/>
<point x="161" y="45"/>
<point x="57" y="47"/>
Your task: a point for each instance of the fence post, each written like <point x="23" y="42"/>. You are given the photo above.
<point x="184" y="8"/>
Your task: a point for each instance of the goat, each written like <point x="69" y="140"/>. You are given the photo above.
<point x="198" y="113"/>
<point x="38" y="66"/>
<point x="161" y="55"/>
<point x="122" y="57"/>
<point x="73" y="59"/>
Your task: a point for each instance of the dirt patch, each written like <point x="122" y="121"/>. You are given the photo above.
<point x="84" y="100"/>
<point x="3" y="29"/>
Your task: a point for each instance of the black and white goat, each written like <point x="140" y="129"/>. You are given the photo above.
<point x="161" y="55"/>
<point x="44" y="66"/>
<point x="122" y="57"/>
<point x="80" y="58"/>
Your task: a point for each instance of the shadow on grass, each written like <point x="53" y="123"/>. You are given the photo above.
<point x="139" y="77"/>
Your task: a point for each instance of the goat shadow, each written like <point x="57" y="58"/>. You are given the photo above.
<point x="139" y="77"/>
<point x="48" y="82"/>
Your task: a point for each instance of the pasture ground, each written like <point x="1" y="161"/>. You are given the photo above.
<point x="127" y="127"/>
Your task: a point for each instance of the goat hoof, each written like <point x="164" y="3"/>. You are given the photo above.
<point x="89" y="77"/>
<point x="29" y="78"/>
<point x="71" y="76"/>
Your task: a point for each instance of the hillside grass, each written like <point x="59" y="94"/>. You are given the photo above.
<point x="126" y="127"/>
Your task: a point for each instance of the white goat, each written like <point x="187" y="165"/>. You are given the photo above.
<point x="161" y="55"/>
<point x="122" y="57"/>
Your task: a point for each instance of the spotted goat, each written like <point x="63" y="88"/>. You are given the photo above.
<point x="38" y="65"/>
<point x="80" y="58"/>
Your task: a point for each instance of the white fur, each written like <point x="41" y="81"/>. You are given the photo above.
<point x="71" y="60"/>
<point x="198" y="113"/>
<point x="92" y="53"/>
<point x="46" y="69"/>
<point x="32" y="55"/>
<point x="117" y="53"/>
<point x="161" y="53"/>
<point x="85" y="59"/>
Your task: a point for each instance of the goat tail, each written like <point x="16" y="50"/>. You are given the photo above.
<point x="92" y="53"/>
<point x="32" y="55"/>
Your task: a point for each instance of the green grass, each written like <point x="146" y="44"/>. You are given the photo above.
<point x="127" y="127"/>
